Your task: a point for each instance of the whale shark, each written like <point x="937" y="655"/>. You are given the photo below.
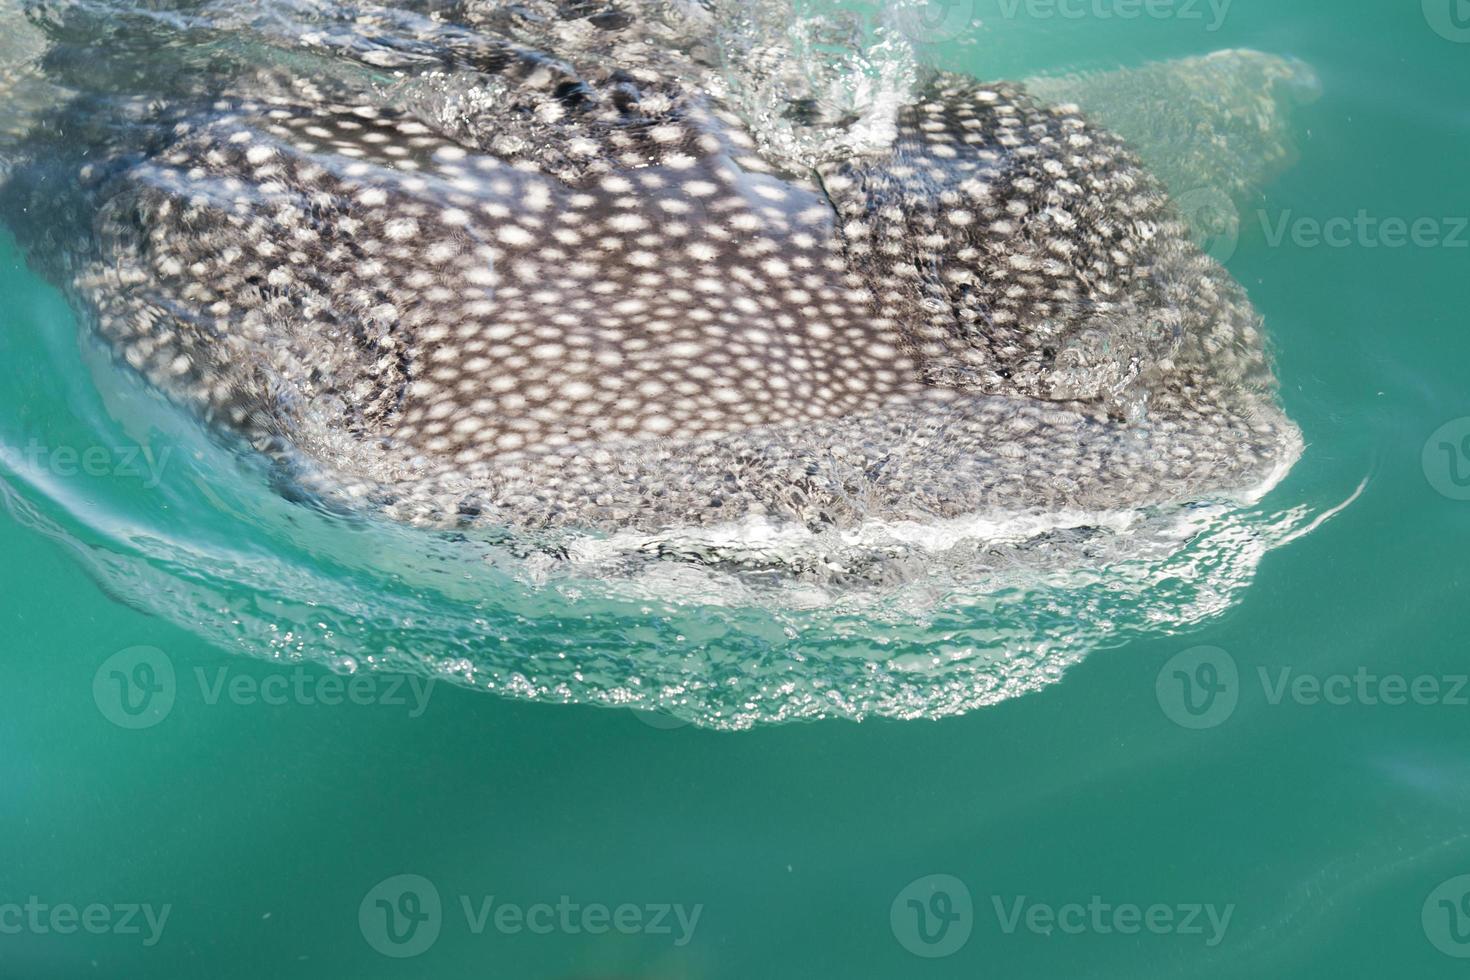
<point x="562" y="265"/>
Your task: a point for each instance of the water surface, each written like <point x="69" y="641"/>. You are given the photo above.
<point x="1334" y="832"/>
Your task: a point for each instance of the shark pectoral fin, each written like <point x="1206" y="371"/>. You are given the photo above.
<point x="1213" y="128"/>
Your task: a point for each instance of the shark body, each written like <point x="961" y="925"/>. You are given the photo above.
<point x="548" y="276"/>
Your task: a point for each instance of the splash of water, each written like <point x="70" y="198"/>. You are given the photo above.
<point x="726" y="627"/>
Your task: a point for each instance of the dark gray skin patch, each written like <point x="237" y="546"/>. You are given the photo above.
<point x="583" y="298"/>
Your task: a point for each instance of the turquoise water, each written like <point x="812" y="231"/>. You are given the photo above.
<point x="1187" y="801"/>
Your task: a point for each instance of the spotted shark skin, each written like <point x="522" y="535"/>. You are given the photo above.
<point x="576" y="293"/>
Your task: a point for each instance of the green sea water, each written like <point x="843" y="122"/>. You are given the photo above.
<point x="1278" y="790"/>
